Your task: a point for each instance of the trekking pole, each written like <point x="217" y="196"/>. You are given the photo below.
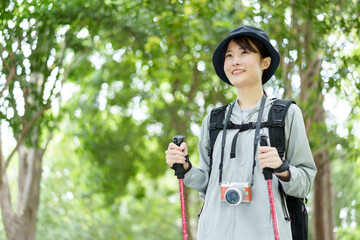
<point x="180" y="172"/>
<point x="268" y="176"/>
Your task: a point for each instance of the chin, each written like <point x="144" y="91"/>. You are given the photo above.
<point x="237" y="83"/>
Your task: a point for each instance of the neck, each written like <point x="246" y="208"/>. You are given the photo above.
<point x="248" y="97"/>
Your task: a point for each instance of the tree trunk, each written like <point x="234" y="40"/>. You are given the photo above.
<point x="311" y="87"/>
<point x="323" y="220"/>
<point x="21" y="224"/>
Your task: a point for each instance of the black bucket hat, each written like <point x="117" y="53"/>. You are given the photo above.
<point x="252" y="32"/>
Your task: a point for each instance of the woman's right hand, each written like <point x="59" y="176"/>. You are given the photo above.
<point x="176" y="154"/>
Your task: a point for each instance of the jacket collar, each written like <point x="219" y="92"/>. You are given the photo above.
<point x="237" y="109"/>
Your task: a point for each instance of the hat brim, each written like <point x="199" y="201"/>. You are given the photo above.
<point x="218" y="56"/>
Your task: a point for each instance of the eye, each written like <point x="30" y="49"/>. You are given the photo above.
<point x="244" y="52"/>
<point x="228" y="55"/>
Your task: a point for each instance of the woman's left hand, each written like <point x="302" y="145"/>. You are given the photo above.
<point x="269" y="158"/>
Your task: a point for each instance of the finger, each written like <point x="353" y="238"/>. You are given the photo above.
<point x="172" y="159"/>
<point x="266" y="164"/>
<point x="175" y="152"/>
<point x="174" y="146"/>
<point x="183" y="148"/>
<point x="270" y="159"/>
<point x="269" y="151"/>
<point x="270" y="154"/>
<point x="270" y="162"/>
<point x="172" y="152"/>
<point x="263" y="149"/>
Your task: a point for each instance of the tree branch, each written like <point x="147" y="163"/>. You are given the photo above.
<point x="10" y="69"/>
<point x="3" y="60"/>
<point x="67" y="71"/>
<point x="49" y="137"/>
<point x="9" y="79"/>
<point x="24" y="132"/>
<point x="5" y="201"/>
<point x="60" y="60"/>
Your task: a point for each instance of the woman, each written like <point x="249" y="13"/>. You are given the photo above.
<point x="246" y="60"/>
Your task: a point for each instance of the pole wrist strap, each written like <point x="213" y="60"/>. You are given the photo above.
<point x="285" y="166"/>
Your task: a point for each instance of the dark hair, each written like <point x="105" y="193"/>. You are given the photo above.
<point x="248" y="43"/>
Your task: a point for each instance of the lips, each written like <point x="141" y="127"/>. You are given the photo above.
<point x="237" y="71"/>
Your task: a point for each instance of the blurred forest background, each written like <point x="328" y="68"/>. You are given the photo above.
<point x="92" y="92"/>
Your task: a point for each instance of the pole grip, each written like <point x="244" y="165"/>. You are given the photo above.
<point x="180" y="172"/>
<point x="268" y="176"/>
<point x="179" y="168"/>
<point x="266" y="171"/>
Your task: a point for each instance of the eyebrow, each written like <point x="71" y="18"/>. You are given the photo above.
<point x="239" y="48"/>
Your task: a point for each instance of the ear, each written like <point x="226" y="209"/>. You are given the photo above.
<point x="266" y="63"/>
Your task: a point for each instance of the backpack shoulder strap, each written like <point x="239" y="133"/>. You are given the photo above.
<point x="276" y="120"/>
<point x="216" y="120"/>
<point x="217" y="116"/>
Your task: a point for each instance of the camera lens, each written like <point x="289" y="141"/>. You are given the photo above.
<point x="232" y="197"/>
<point x="235" y="195"/>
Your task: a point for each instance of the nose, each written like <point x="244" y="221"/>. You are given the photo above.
<point x="236" y="60"/>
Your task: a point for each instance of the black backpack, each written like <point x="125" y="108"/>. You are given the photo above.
<point x="296" y="210"/>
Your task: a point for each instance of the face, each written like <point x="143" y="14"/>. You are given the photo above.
<point x="243" y="67"/>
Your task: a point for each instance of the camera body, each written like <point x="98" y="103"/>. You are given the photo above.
<point x="235" y="193"/>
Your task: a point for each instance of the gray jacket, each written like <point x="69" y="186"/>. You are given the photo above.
<point x="249" y="220"/>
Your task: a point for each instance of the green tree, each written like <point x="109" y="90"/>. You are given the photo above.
<point x="161" y="80"/>
<point x="38" y="40"/>
<point x="71" y="209"/>
<point x="305" y="37"/>
<point x="140" y="73"/>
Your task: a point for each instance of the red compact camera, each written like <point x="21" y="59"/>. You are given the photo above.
<point x="235" y="193"/>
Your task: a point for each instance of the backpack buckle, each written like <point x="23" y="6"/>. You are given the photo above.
<point x="216" y="112"/>
<point x="278" y="123"/>
<point x="213" y="126"/>
<point x="278" y="108"/>
<point x="229" y="125"/>
<point x="252" y="125"/>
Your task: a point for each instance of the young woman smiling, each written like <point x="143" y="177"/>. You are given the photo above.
<point x="246" y="60"/>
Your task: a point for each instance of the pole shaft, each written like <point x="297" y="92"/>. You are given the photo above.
<point x="183" y="212"/>
<point x="273" y="212"/>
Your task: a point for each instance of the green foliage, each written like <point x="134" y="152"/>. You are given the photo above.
<point x="157" y="83"/>
<point x="156" y="77"/>
<point x="69" y="208"/>
<point x="347" y="198"/>
<point x="137" y="73"/>
<point x="35" y="38"/>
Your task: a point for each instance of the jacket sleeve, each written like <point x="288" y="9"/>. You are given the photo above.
<point x="302" y="165"/>
<point x="198" y="178"/>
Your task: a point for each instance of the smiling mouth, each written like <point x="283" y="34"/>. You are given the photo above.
<point x="237" y="71"/>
